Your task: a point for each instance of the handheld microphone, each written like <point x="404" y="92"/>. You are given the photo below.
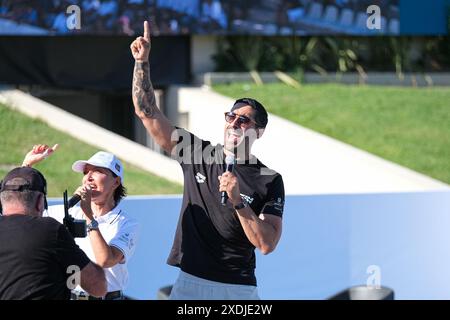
<point x="73" y="200"/>
<point x="229" y="160"/>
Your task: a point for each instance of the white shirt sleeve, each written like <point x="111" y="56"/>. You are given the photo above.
<point x="126" y="238"/>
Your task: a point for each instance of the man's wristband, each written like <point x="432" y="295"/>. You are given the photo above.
<point x="242" y="205"/>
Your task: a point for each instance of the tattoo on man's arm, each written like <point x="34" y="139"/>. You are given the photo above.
<point x="143" y="92"/>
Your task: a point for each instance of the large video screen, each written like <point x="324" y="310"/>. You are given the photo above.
<point x="174" y="17"/>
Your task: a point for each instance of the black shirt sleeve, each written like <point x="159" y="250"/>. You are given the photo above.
<point x="275" y="198"/>
<point x="68" y="252"/>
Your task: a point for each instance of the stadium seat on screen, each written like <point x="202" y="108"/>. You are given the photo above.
<point x="394" y="26"/>
<point x="315" y="11"/>
<point x="346" y="18"/>
<point x="364" y="293"/>
<point x="383" y="24"/>
<point x="269" y="29"/>
<point x="361" y="22"/>
<point x="295" y="14"/>
<point x="331" y="15"/>
<point x="285" y="31"/>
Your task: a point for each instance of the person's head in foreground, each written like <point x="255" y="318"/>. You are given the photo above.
<point x="23" y="191"/>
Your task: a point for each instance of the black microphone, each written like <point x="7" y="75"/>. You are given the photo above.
<point x="229" y="160"/>
<point x="73" y="201"/>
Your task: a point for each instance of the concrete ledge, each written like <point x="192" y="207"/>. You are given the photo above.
<point x="373" y="78"/>
<point x="83" y="130"/>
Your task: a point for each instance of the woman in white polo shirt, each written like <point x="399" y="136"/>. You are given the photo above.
<point x="112" y="234"/>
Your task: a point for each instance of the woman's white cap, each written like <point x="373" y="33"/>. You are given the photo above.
<point x="101" y="159"/>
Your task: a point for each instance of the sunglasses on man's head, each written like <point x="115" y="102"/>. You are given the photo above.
<point x="230" y="116"/>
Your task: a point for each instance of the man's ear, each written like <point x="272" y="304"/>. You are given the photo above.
<point x="40" y="206"/>
<point x="259" y="132"/>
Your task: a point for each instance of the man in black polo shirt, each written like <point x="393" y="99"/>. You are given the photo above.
<point x="214" y="244"/>
<point x="38" y="256"/>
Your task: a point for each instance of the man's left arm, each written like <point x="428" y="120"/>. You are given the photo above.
<point x="263" y="230"/>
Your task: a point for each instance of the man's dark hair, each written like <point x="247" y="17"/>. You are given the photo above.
<point x="260" y="112"/>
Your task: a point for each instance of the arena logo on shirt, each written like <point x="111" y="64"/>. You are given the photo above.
<point x="247" y="198"/>
<point x="200" y="178"/>
<point x="278" y="204"/>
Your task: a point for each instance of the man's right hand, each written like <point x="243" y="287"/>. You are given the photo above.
<point x="140" y="48"/>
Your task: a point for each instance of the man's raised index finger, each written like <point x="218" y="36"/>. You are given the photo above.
<point x="146" y="31"/>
